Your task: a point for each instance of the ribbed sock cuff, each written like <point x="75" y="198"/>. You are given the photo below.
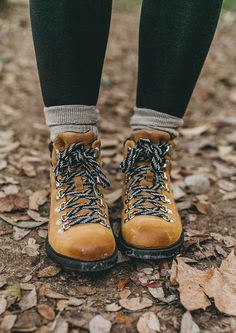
<point x="71" y="118"/>
<point x="150" y="119"/>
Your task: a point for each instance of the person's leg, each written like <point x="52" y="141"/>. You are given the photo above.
<point x="70" y="40"/>
<point x="175" y="37"/>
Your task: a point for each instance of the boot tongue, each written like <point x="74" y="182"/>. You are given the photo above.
<point x="155" y="136"/>
<point x="65" y="139"/>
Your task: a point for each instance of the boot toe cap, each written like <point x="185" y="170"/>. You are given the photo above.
<point x="85" y="242"/>
<point x="151" y="232"/>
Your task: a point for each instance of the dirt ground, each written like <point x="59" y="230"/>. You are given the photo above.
<point x="206" y="147"/>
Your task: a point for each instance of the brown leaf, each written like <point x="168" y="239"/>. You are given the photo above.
<point x="113" y="307"/>
<point x="222" y="286"/>
<point x="13" y="203"/>
<point x="190" y="282"/>
<point x="136" y="303"/>
<point x="31" y="249"/>
<point x="148" y="323"/>
<point x="157" y="292"/>
<point x="51" y="294"/>
<point x="46" y="311"/>
<point x="3" y="304"/>
<point x="37" y="199"/>
<point x="8" y="323"/>
<point x="3" y="280"/>
<point x="203" y="207"/>
<point x="218" y="284"/>
<point x="49" y="271"/>
<point x="122" y="283"/>
<point x="36" y="216"/>
<point x="29" y="300"/>
<point x="194" y="131"/>
<point x="124" y="293"/>
<point x="229" y="196"/>
<point x="20" y="233"/>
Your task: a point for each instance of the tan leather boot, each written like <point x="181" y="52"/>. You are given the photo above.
<point x="151" y="226"/>
<point x="79" y="237"/>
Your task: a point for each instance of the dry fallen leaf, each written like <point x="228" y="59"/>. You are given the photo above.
<point x="19" y="233"/>
<point x="202" y="207"/>
<point x="8" y="323"/>
<point x="46" y="311"/>
<point x="198" y="183"/>
<point x="49" y="271"/>
<point x="157" y="292"/>
<point x="3" y="280"/>
<point x="124" y="293"/>
<point x="44" y="291"/>
<point x="188" y="325"/>
<point x="113" y="307"/>
<point x="3" y="304"/>
<point x="23" y="224"/>
<point x="37" y="199"/>
<point x="29" y="300"/>
<point x="136" y="303"/>
<point x="196" y="286"/>
<point x="61" y="326"/>
<point x="99" y="325"/>
<point x="194" y="131"/>
<point x="31" y="249"/>
<point x="122" y="283"/>
<point x="192" y="295"/>
<point x="148" y="323"/>
<point x="36" y="216"/>
<point x="13" y="203"/>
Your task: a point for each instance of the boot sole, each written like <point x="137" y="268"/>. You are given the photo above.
<point x="80" y="266"/>
<point x="151" y="253"/>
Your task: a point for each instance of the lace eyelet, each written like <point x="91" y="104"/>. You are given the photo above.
<point x="62" y="219"/>
<point x="101" y="203"/>
<point x="105" y="224"/>
<point x="61" y="207"/>
<point x="60" y="194"/>
<point x="164" y="209"/>
<point x="96" y="152"/>
<point x="64" y="227"/>
<point x="130" y="197"/>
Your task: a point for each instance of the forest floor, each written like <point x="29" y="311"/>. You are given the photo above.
<point x="35" y="295"/>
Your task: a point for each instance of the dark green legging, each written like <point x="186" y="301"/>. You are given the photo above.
<point x="70" y="38"/>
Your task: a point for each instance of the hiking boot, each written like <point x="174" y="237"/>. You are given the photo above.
<point x="151" y="226"/>
<point x="80" y="237"/>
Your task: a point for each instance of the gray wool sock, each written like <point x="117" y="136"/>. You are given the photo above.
<point x="150" y="119"/>
<point x="71" y="118"/>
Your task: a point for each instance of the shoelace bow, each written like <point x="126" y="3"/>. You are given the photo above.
<point x="155" y="154"/>
<point x="78" y="161"/>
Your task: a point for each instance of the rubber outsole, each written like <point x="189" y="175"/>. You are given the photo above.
<point x="80" y="266"/>
<point x="151" y="254"/>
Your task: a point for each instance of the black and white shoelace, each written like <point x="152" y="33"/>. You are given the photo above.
<point x="78" y="161"/>
<point x="155" y="155"/>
